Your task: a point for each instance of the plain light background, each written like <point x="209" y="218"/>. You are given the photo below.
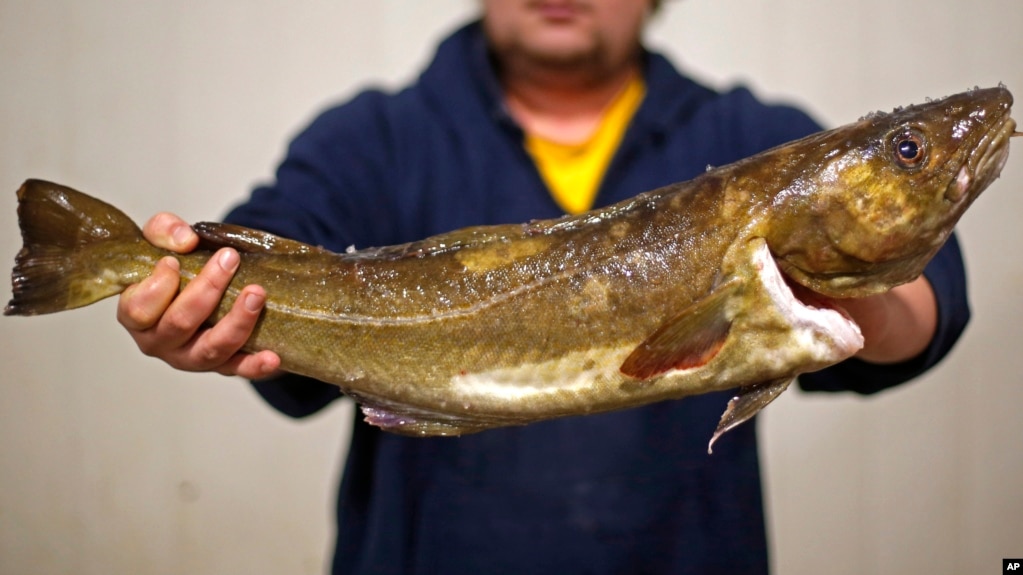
<point x="111" y="462"/>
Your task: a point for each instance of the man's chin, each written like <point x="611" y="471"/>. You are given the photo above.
<point x="569" y="49"/>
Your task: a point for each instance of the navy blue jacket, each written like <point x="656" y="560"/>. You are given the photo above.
<point x="625" y="492"/>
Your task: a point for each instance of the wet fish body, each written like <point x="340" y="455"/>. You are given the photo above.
<point x="678" y="291"/>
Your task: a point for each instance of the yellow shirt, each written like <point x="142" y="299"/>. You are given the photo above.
<point x="573" y="172"/>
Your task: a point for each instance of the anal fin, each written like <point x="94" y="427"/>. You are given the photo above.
<point x="750" y="400"/>
<point x="419" y="424"/>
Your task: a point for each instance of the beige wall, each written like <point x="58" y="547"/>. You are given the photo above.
<point x="113" y="463"/>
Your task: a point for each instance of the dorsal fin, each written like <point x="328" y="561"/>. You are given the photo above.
<point x="215" y="235"/>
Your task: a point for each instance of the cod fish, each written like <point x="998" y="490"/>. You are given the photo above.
<point x="682" y="290"/>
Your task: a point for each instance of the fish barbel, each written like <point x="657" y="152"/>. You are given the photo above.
<point x="679" y="291"/>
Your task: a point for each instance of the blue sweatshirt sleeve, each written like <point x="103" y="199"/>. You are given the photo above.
<point x="947" y="276"/>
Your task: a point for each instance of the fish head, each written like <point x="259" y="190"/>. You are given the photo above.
<point x="874" y="200"/>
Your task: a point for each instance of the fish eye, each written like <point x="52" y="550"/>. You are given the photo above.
<point x="909" y="149"/>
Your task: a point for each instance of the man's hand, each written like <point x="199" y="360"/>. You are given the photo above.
<point x="170" y="326"/>
<point x="897" y="325"/>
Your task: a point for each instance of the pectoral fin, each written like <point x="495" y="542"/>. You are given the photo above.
<point x="690" y="339"/>
<point x="750" y="400"/>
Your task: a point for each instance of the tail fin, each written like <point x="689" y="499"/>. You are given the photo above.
<point x="65" y="235"/>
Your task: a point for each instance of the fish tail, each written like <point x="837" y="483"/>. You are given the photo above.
<point x="72" y="251"/>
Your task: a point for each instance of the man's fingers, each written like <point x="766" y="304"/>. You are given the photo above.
<point x="197" y="301"/>
<point x="172" y="326"/>
<point x="170" y="232"/>
<point x="216" y="346"/>
<point x="141" y="305"/>
<point x="252" y="365"/>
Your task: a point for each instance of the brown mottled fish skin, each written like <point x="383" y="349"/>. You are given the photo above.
<point x="673" y="293"/>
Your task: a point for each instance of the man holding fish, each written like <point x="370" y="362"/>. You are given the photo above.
<point x="541" y="108"/>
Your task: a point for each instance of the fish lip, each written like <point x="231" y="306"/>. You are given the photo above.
<point x="989" y="156"/>
<point x="984" y="159"/>
<point x="999" y="143"/>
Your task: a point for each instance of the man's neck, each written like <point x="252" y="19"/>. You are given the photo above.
<point x="562" y="108"/>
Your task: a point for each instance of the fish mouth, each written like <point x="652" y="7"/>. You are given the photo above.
<point x="985" y="164"/>
<point x="995" y="144"/>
